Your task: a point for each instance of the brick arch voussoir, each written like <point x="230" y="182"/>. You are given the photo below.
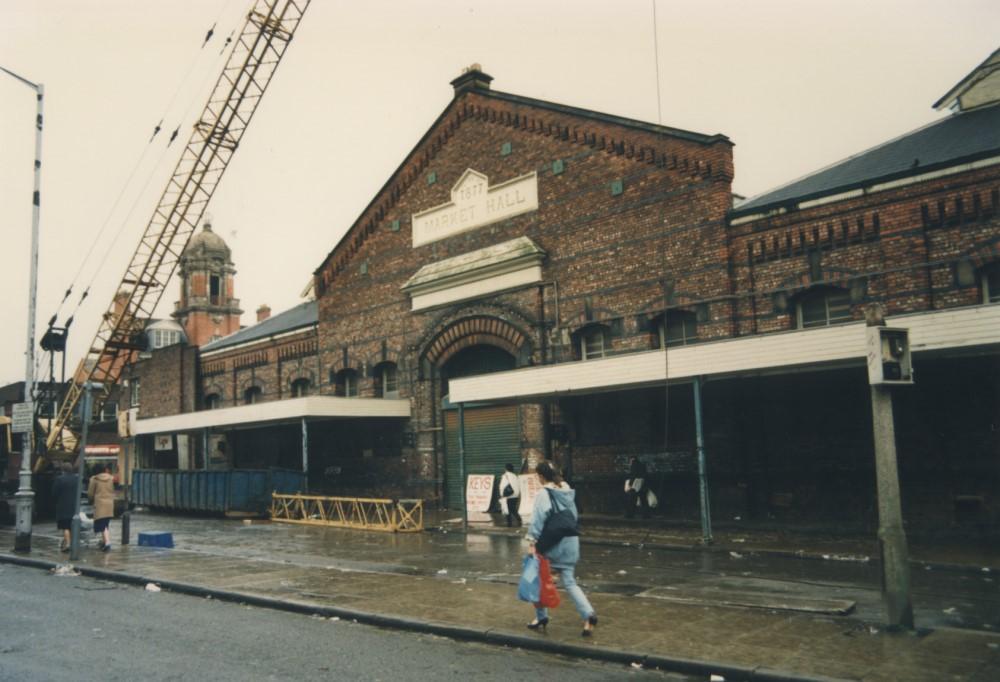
<point x="248" y="382"/>
<point x="301" y="373"/>
<point x="476" y="340"/>
<point x="215" y="389"/>
<point x="801" y="281"/>
<point x="474" y="331"/>
<point x="982" y="255"/>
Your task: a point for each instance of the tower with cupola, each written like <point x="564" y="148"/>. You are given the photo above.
<point x="207" y="308"/>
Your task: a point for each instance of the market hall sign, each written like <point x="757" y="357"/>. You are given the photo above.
<point x="474" y="204"/>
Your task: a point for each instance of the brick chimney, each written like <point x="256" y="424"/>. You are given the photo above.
<point x="472" y="78"/>
<point x="263" y="312"/>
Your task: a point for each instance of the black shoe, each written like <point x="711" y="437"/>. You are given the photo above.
<point x="106" y="548"/>
<point x="592" y="622"/>
<point x="538" y="623"/>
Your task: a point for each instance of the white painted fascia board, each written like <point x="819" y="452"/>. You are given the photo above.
<point x="477" y="288"/>
<point x="310" y="407"/>
<point x="940" y="330"/>
<point x="516" y="264"/>
<point x="264" y="340"/>
<point x="871" y="189"/>
<point x="831" y="198"/>
<point x="933" y="175"/>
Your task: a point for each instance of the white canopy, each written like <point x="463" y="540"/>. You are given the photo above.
<point x="274" y="412"/>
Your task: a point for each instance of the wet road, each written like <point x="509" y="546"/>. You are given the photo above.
<point x="74" y="628"/>
<point x="941" y="597"/>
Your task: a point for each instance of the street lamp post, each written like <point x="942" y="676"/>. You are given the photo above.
<point x="25" y="497"/>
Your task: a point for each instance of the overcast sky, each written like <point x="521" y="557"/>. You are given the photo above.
<point x="795" y="84"/>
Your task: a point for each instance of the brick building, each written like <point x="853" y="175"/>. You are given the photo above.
<point x="538" y="272"/>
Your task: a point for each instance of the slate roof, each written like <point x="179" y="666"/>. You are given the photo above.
<point x="961" y="137"/>
<point x="302" y="315"/>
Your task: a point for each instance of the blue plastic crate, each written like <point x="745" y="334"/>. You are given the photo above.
<point x="157" y="538"/>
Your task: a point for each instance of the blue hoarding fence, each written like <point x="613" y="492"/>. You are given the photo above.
<point x="233" y="490"/>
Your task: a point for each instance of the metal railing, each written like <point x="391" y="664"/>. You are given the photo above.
<point x="394" y="516"/>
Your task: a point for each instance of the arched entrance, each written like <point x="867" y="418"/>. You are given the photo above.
<point x="492" y="432"/>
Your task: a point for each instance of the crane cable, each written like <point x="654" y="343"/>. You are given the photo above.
<point x="131" y="178"/>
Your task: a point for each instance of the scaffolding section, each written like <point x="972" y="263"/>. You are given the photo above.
<point x="394" y="516"/>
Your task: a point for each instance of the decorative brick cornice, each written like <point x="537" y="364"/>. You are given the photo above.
<point x="256" y="359"/>
<point x="211" y="368"/>
<point x="298" y="349"/>
<point x="824" y="236"/>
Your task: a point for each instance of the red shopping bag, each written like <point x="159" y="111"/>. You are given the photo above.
<point x="548" y="596"/>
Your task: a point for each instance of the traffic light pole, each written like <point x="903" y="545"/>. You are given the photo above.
<point x="891" y="536"/>
<point x="889" y="363"/>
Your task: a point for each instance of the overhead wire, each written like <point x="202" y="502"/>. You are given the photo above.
<point x="131" y="178"/>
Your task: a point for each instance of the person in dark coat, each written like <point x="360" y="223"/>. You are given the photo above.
<point x="64" y="492"/>
<point x="635" y="489"/>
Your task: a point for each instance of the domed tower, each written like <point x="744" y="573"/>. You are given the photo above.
<point x="207" y="309"/>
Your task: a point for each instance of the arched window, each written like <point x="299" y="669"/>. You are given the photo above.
<point x="346" y="383"/>
<point x="593" y="343"/>
<point x="252" y="395"/>
<point x="989" y="279"/>
<point x="213" y="401"/>
<point x="386" y="381"/>
<point x="681" y="328"/>
<point x="822" y="307"/>
<point x="300" y="388"/>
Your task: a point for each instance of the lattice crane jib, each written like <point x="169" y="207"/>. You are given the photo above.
<point x="256" y="53"/>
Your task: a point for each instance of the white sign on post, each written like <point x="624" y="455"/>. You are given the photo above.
<point x="23" y="417"/>
<point x="479" y="492"/>
<point x="530" y="487"/>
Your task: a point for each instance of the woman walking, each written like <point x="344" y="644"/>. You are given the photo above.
<point x="566" y="553"/>
<point x="101" y="492"/>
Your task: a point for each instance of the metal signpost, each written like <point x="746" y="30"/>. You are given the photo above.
<point x="74" y="545"/>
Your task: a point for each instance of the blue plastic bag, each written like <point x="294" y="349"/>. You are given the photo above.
<point x="530" y="586"/>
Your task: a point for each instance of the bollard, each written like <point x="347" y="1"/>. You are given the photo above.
<point x="74" y="543"/>
<point x="126" y="519"/>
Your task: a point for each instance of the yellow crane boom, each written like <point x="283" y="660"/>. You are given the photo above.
<point x="256" y="53"/>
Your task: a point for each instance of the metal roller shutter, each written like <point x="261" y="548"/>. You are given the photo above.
<point x="492" y="439"/>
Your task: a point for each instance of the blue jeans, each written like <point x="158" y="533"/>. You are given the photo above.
<point x="568" y="580"/>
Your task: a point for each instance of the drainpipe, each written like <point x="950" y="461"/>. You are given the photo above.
<point x="305" y="453"/>
<point x="706" y="512"/>
<point x="461" y="465"/>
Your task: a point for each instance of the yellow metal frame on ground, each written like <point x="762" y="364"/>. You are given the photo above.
<point x="394" y="516"/>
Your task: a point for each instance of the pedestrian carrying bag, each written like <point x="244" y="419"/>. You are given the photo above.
<point x="560" y="524"/>
<point x="548" y="597"/>
<point x="529" y="587"/>
<point x="507" y="491"/>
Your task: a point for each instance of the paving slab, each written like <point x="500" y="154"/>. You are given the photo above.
<point x="307" y="571"/>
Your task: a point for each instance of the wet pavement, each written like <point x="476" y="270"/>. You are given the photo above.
<point x="753" y="599"/>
